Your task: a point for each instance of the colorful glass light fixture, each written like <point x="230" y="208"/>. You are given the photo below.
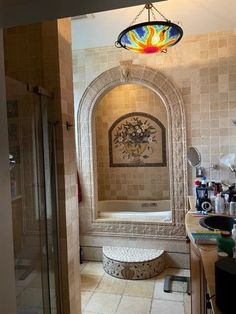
<point x="151" y="36"/>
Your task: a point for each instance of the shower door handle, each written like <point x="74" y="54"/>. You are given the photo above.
<point x="12" y="161"/>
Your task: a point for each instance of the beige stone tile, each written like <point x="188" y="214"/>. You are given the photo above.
<point x="187" y="304"/>
<point x="131" y="305"/>
<point x="139" y="289"/>
<point x="103" y="303"/>
<point x="167" y="307"/>
<point x="109" y="284"/>
<point x="85" y="296"/>
<point x="31" y="297"/>
<point x="178" y="286"/>
<point x="160" y="294"/>
<point x="36" y="282"/>
<point x="171" y="271"/>
<point x="83" y="265"/>
<point x="93" y="268"/>
<point x="160" y="277"/>
<point x="177" y="271"/>
<point x="89" y="282"/>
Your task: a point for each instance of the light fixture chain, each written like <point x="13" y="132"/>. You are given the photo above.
<point x="153" y="15"/>
<point x="137" y="16"/>
<point x="158" y="13"/>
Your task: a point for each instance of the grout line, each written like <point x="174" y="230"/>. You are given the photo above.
<point x="123" y="294"/>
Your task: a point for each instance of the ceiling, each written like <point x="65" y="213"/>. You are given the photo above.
<point x="21" y="12"/>
<point x="194" y="16"/>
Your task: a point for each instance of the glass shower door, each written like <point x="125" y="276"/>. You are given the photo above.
<point x="35" y="261"/>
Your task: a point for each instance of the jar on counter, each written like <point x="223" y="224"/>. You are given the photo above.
<point x="232" y="206"/>
<point x="221" y="255"/>
<point x="225" y="243"/>
<point x="234" y="233"/>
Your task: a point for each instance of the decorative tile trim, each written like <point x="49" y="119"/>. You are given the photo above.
<point x="177" y="160"/>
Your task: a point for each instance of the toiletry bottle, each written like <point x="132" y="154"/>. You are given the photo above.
<point x="219" y="204"/>
<point x="199" y="193"/>
<point x="225" y="243"/>
<point x="203" y="182"/>
<point x="234" y="233"/>
<point x="213" y="201"/>
<point x="232" y="206"/>
<point x="211" y="194"/>
<point x="227" y="204"/>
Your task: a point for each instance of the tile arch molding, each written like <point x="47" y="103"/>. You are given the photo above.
<point x="171" y="97"/>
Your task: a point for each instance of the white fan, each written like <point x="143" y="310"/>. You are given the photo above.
<point x="228" y="161"/>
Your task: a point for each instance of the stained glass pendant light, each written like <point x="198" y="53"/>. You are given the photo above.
<point x="151" y="36"/>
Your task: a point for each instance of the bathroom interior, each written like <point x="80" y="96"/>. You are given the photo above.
<point x="74" y="187"/>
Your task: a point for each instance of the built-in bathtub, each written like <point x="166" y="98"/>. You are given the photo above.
<point x="138" y="210"/>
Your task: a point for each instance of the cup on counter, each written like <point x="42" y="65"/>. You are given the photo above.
<point x="221" y="255"/>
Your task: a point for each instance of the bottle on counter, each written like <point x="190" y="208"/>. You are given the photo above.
<point x="234" y="233"/>
<point x="227" y="204"/>
<point x="232" y="206"/>
<point x="203" y="182"/>
<point x="211" y="194"/>
<point x="225" y="243"/>
<point x="219" y="204"/>
<point x="234" y="252"/>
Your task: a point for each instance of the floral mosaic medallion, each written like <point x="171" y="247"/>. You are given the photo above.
<point x="137" y="139"/>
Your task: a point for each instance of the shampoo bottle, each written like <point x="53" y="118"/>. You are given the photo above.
<point x="232" y="206"/>
<point x="219" y="204"/>
<point x="234" y="233"/>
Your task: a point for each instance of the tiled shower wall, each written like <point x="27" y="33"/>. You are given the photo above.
<point x="151" y="183"/>
<point x="203" y="68"/>
<point x="40" y="54"/>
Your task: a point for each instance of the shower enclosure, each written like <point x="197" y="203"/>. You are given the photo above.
<point x="34" y="203"/>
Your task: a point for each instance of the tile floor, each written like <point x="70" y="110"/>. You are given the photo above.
<point x="29" y="294"/>
<point x="103" y="294"/>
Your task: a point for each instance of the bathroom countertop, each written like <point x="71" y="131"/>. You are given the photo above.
<point x="208" y="252"/>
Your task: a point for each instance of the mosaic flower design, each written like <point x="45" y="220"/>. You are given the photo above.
<point x="134" y="136"/>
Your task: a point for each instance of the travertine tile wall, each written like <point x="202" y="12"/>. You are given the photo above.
<point x="151" y="183"/>
<point x="204" y="69"/>
<point x="40" y="54"/>
<point x="70" y="208"/>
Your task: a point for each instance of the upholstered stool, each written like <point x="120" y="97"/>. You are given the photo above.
<point x="133" y="263"/>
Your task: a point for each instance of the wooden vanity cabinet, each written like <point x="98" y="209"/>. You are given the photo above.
<point x="198" y="282"/>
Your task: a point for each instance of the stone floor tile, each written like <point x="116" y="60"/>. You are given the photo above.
<point x="89" y="282"/>
<point x="93" y="268"/>
<point x="187" y="304"/>
<point x="103" y="303"/>
<point x="110" y="285"/>
<point x="85" y="297"/>
<point x="140" y="288"/>
<point x="134" y="305"/>
<point x="160" y="294"/>
<point x="167" y="307"/>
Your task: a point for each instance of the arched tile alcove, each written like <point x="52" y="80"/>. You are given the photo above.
<point x="169" y="94"/>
